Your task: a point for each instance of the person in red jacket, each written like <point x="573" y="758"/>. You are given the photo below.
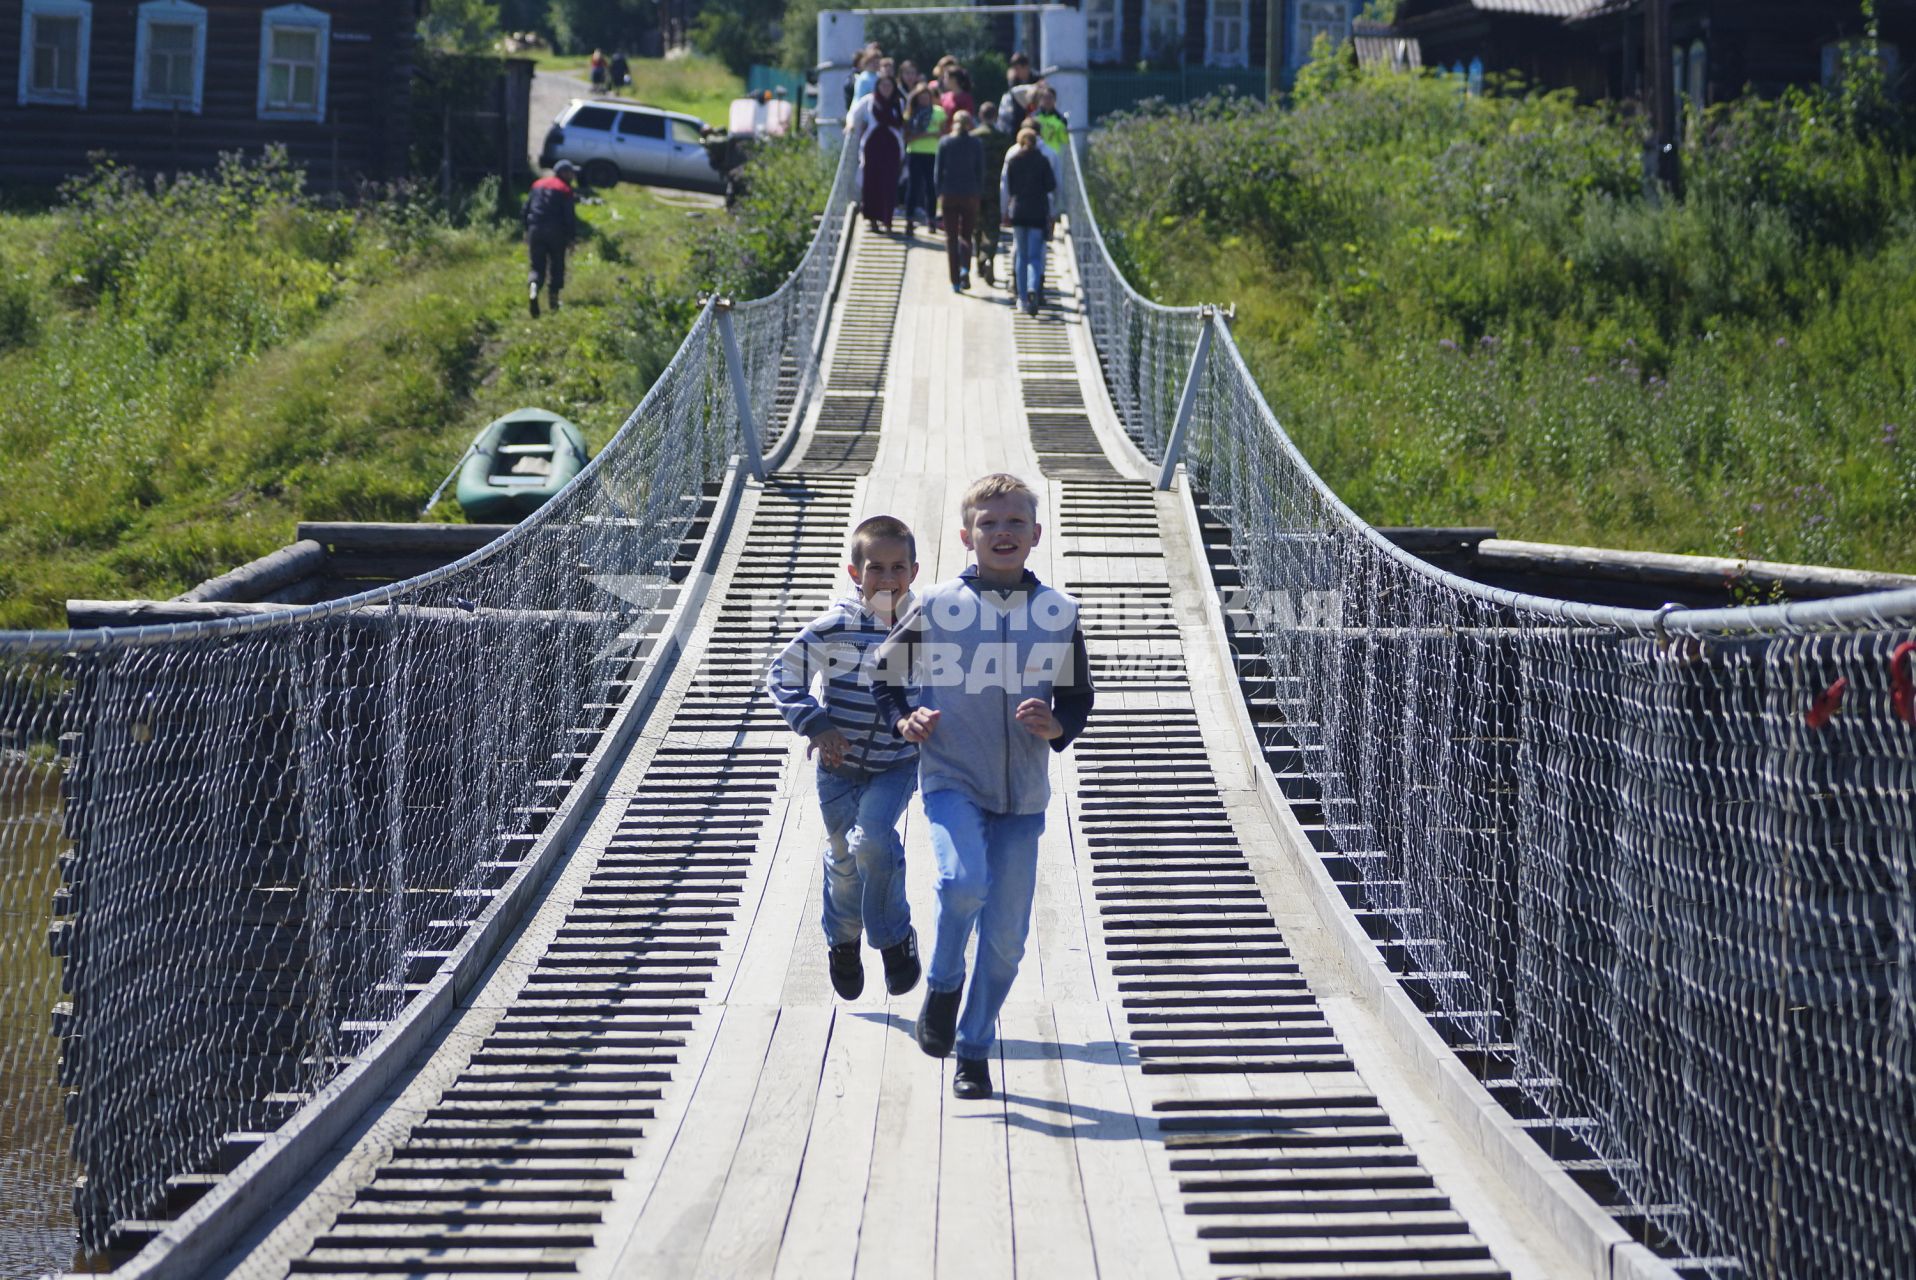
<point x="552" y="222"/>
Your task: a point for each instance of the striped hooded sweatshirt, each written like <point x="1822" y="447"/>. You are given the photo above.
<point x="839" y="645"/>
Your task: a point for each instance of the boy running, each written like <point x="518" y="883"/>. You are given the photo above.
<point x="999" y="671"/>
<point x="865" y="774"/>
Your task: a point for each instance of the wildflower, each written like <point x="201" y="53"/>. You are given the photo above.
<point x="1445" y="344"/>
<point x="1782" y="342"/>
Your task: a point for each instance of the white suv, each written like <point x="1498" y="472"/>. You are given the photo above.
<point x="614" y="140"/>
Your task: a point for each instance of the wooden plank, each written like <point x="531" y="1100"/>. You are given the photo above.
<point x="974" y="1185"/>
<point x="828" y="1208"/>
<point x="1127" y="1212"/>
<point x="749" y="1222"/>
<point x="1059" y="955"/>
<point x="448" y="540"/>
<point x="901" y="1185"/>
<point x="778" y="921"/>
<point x="670" y="1232"/>
<point x="255" y="579"/>
<point x="1051" y="1227"/>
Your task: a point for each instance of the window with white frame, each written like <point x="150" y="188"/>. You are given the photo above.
<point x="1163" y="28"/>
<point x="1328" y="18"/>
<point x="169" y="66"/>
<point x="293" y="42"/>
<point x="55" y="39"/>
<point x="1697" y="81"/>
<point x="1224" y="34"/>
<point x="1102" y="30"/>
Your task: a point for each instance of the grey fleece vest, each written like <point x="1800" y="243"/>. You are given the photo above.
<point x="979" y="655"/>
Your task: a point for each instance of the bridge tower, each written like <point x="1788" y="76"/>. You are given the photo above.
<point x="1062" y="58"/>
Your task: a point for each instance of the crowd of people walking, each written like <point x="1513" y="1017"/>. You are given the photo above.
<point x="925" y="144"/>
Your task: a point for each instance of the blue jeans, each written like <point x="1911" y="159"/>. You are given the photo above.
<point x="1027" y="261"/>
<point x="864" y="858"/>
<point x="987" y="873"/>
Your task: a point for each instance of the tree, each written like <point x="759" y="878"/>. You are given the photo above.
<point x="1331" y="67"/>
<point x="738" y="32"/>
<point x="579" y="26"/>
<point x="461" y="26"/>
<point x="924" y="39"/>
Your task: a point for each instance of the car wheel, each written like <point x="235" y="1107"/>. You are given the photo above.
<point x="602" y="173"/>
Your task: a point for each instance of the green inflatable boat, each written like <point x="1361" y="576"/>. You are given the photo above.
<point x="516" y="464"/>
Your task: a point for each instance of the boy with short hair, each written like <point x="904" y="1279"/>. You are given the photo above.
<point x="865" y="773"/>
<point x="1000" y="680"/>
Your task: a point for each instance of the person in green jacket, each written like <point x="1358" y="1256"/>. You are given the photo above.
<point x="1052" y="125"/>
<point x="924" y="124"/>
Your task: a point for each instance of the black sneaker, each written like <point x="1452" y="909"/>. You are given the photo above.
<point x="847" y="969"/>
<point x="972" y="1079"/>
<point x="532" y="301"/>
<point x="901" y="965"/>
<point x="938" y="1021"/>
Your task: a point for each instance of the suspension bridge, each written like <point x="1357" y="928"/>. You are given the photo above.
<point x="1387" y="925"/>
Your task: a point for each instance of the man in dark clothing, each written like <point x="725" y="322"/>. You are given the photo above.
<point x="1024" y="188"/>
<point x="961" y="184"/>
<point x="1011" y="112"/>
<point x="990" y="213"/>
<point x="552" y="222"/>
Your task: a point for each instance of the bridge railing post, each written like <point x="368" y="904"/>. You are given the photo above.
<point x="1187" y="403"/>
<point x="750" y="445"/>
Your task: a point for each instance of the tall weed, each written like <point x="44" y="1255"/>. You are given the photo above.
<point x="1471" y="309"/>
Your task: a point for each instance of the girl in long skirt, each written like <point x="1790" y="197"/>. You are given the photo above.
<point x="884" y="154"/>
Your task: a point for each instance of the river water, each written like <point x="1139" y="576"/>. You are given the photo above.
<point x="36" y="1168"/>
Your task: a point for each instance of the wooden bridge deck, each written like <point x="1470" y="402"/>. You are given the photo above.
<point x="657" y="1080"/>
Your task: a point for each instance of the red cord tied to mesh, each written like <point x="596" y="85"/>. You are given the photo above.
<point x="1824" y="709"/>
<point x="1902" y="681"/>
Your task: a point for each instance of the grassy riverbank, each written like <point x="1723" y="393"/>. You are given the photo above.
<point x="185" y="374"/>
<point x="1468" y="310"/>
<point x="701" y="87"/>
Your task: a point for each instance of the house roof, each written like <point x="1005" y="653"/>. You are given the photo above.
<point x="1537" y="8"/>
<point x="1542" y="8"/>
<point x="1381" y="48"/>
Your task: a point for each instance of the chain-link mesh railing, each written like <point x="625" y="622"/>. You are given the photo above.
<point x="1664" y="864"/>
<point x="1144" y="347"/>
<point x="780" y="334"/>
<point x="232" y="851"/>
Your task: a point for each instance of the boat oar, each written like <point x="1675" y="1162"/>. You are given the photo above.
<point x="434" y="500"/>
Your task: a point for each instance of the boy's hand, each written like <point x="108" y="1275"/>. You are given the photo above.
<point x="917" y="726"/>
<point x="1035" y="715"/>
<point x="831" y="747"/>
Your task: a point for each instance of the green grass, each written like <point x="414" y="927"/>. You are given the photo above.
<point x="1469" y="311"/>
<point x="189" y="375"/>
<point x="696" y="86"/>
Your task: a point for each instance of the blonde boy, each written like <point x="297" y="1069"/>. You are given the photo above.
<point x="998" y="681"/>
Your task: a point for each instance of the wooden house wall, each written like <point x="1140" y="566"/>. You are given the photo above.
<point x="368" y="90"/>
<point x="1751" y="45"/>
<point x="1197" y="17"/>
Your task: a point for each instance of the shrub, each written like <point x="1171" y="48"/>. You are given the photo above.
<point x="782" y="188"/>
<point x="1471" y="309"/>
